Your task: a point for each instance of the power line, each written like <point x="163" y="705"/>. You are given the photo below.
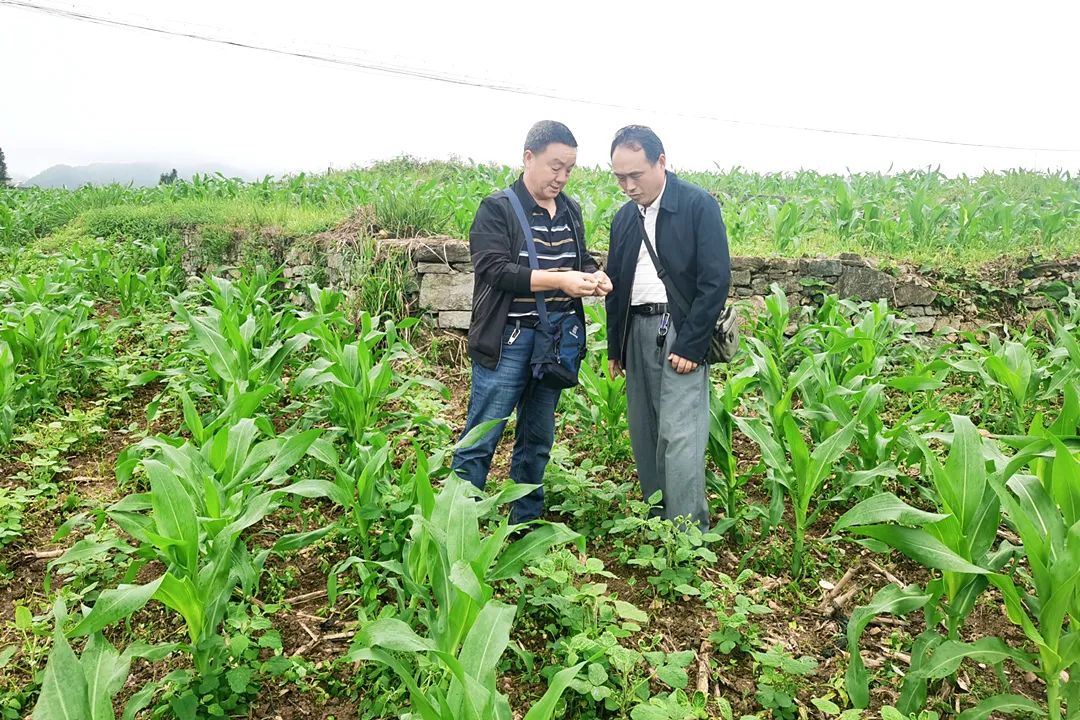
<point x="467" y="81"/>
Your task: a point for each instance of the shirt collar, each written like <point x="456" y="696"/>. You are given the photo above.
<point x="529" y="202"/>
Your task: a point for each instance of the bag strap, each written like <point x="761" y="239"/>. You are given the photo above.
<point x="661" y="271"/>
<point x="526" y="228"/>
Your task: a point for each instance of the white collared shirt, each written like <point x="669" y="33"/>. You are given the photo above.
<point x="648" y="287"/>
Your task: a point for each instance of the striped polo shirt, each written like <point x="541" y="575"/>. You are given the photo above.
<point x="556" y="250"/>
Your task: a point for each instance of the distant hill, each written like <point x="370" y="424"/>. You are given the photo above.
<point x="140" y="174"/>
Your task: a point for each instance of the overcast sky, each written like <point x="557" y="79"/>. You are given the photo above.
<point x="996" y="73"/>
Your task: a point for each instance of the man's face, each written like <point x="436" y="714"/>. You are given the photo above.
<point x="547" y="172"/>
<point x="640" y="181"/>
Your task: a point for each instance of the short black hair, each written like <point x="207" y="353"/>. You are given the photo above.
<point x="639" y="137"/>
<point x="546" y="132"/>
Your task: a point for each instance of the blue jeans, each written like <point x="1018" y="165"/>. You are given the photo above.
<point x="495" y="394"/>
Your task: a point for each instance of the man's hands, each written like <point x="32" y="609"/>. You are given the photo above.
<point x="681" y="365"/>
<point x="603" y="283"/>
<point x="578" y="284"/>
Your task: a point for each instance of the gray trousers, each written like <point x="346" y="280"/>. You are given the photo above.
<point x="669" y="422"/>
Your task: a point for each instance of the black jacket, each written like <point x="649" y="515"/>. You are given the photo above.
<point x="692" y="244"/>
<point x="495" y="241"/>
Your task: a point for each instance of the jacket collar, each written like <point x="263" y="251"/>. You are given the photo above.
<point x="670" y="201"/>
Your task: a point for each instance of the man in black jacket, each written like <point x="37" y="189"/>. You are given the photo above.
<point x="660" y="345"/>
<point x="504" y="315"/>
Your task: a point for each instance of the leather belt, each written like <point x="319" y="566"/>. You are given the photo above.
<point x="649" y="309"/>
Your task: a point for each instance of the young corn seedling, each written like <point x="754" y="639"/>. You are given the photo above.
<point x="602" y="399"/>
<point x="232" y="353"/>
<point x="1013" y="377"/>
<point x="200" y="502"/>
<point x="9" y="406"/>
<point x="450" y="566"/>
<point x="1045" y="510"/>
<point x="361" y="378"/>
<point x="798" y="471"/>
<point x="957" y="541"/>
<point x="82" y="687"/>
<point x="720" y="448"/>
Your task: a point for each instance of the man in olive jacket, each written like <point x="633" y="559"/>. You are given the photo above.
<point x="660" y="347"/>
<point x="505" y="316"/>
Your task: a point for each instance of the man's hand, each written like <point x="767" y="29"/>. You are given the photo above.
<point x="615" y="369"/>
<point x="604" y="285"/>
<point x="578" y="284"/>
<point x="681" y="365"/>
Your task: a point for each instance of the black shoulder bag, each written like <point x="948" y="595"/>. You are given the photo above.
<point x="559" y="346"/>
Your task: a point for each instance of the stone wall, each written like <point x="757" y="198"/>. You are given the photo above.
<point x="933" y="300"/>
<point x="446" y="284"/>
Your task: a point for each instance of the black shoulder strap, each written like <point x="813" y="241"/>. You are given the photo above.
<point x="661" y="271"/>
<point x="526" y="228"/>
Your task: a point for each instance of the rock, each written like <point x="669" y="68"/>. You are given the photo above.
<point x="740" y="278"/>
<point x="781" y="266"/>
<point x="1037" y="302"/>
<point x="947" y="323"/>
<point x="914" y="311"/>
<point x="455" y="319"/>
<point x="753" y="264"/>
<point x="1039" y="269"/>
<point x="441" y="251"/>
<point x="909" y="292"/>
<point x="753" y="305"/>
<point x="924" y="324"/>
<point x="743" y="291"/>
<point x="824" y="268"/>
<point x="447" y="292"/>
<point x="426" y="268"/>
<point x="852" y="260"/>
<point x="865" y="283"/>
<point x="792" y="285"/>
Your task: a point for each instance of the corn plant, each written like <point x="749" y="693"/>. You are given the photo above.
<point x="449" y="567"/>
<point x="602" y="399"/>
<point x="957" y="541"/>
<point x="844" y="209"/>
<point x="200" y="501"/>
<point x="82" y="687"/>
<point x="789" y="222"/>
<point x="1013" y="377"/>
<point x="852" y="339"/>
<point x="796" y="470"/>
<point x="723" y="405"/>
<point x="8" y="407"/>
<point x="472" y="693"/>
<point x="236" y="354"/>
<point x="55" y="344"/>
<point x="361" y="378"/>
<point x="773" y="324"/>
<point x="1045" y="510"/>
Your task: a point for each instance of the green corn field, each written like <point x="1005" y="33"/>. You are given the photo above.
<point x="226" y="494"/>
